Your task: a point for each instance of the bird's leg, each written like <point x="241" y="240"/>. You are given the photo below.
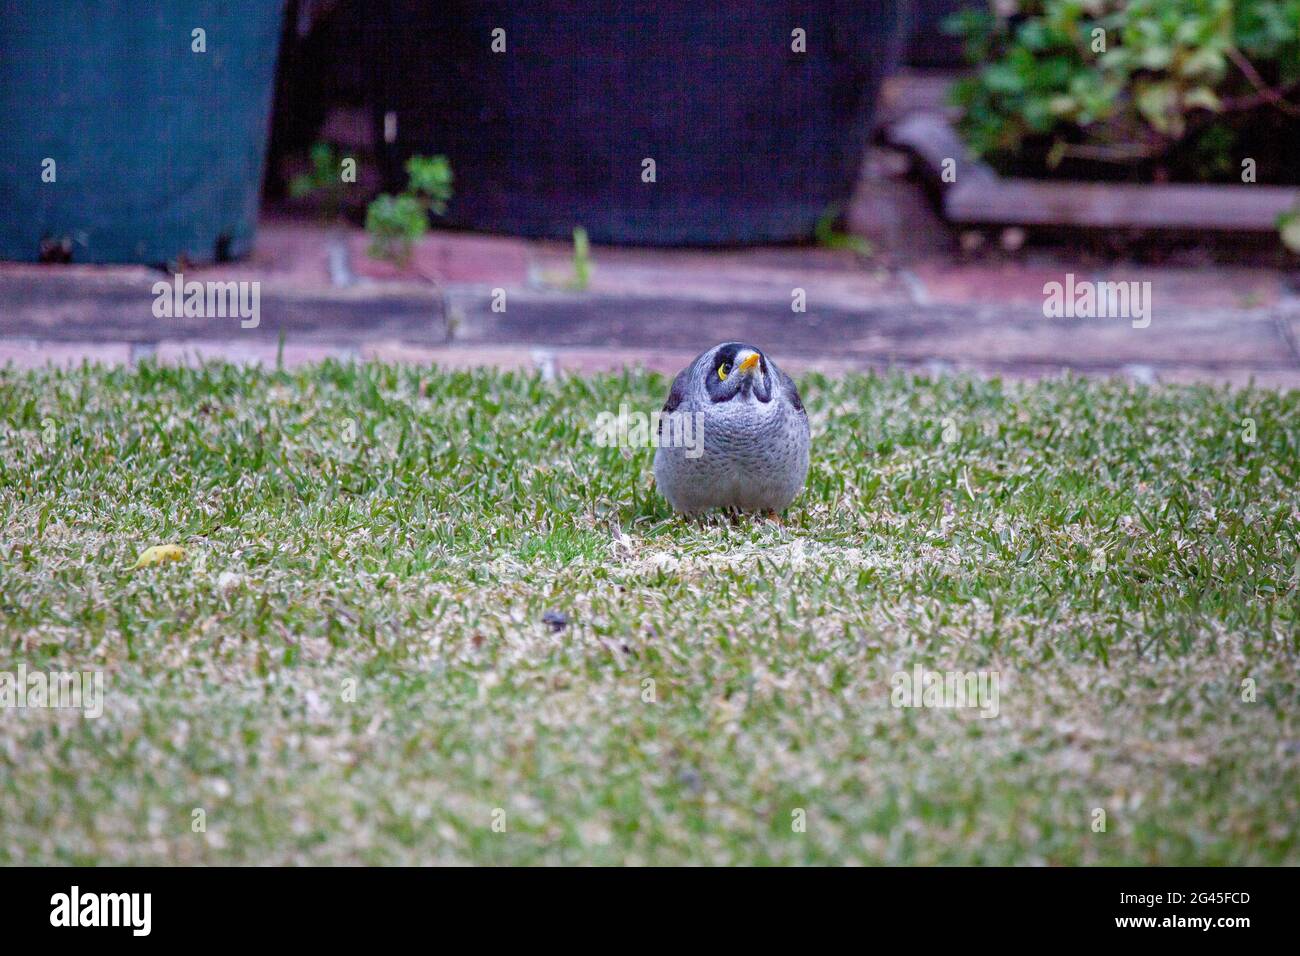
<point x="771" y="514"/>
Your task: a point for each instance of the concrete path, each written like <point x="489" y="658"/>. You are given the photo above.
<point x="473" y="300"/>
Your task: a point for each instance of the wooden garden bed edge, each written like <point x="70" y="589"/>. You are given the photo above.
<point x="980" y="196"/>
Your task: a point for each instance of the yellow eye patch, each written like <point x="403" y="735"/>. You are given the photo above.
<point x="722" y="371"/>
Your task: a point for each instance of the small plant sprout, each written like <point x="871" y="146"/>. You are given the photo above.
<point x="581" y="259"/>
<point x="1288" y="227"/>
<point x="829" y="237"/>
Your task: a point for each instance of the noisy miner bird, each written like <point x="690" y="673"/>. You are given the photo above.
<point x="749" y="429"/>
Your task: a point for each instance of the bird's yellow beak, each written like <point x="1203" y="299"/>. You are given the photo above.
<point x="749" y="364"/>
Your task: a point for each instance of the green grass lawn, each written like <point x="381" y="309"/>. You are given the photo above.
<point x="352" y="666"/>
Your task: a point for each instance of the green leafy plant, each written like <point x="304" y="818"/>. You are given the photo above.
<point x="1146" y="89"/>
<point x="396" y="223"/>
<point x="324" y="178"/>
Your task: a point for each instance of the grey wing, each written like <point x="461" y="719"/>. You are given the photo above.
<point x="786" y="384"/>
<point x="676" y="395"/>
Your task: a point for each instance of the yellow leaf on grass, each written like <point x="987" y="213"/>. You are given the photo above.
<point x="159" y="554"/>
